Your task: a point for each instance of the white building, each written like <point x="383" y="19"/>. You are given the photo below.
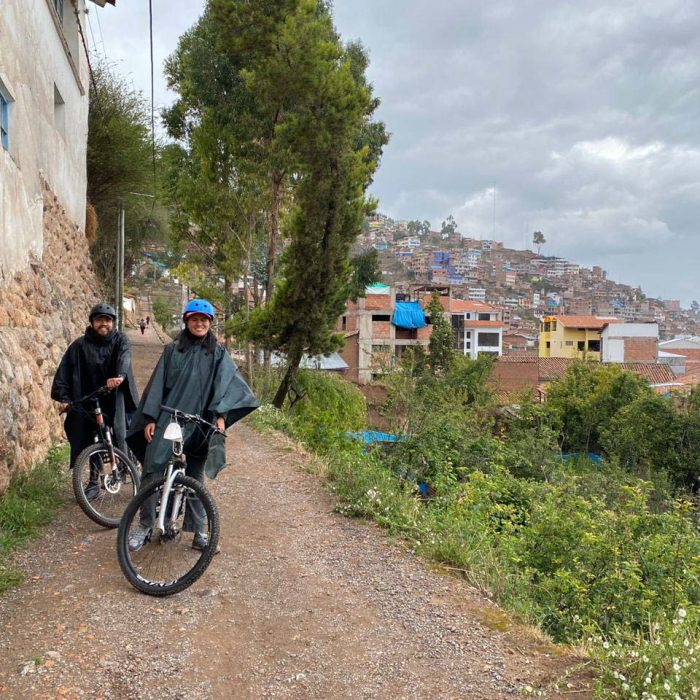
<point x="478" y="328"/>
<point x="44" y="85"/>
<point x="629" y="342"/>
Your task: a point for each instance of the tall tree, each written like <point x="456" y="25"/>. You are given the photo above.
<point x="442" y="342"/>
<point x="214" y="172"/>
<point x="336" y="147"/>
<point x="539" y="240"/>
<point x="119" y="163"/>
<point x="261" y="37"/>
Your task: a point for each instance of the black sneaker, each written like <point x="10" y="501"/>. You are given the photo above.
<point x="92" y="491"/>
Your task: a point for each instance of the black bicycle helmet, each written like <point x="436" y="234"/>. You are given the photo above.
<point x="103" y="310"/>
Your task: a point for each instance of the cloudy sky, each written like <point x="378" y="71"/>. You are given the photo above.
<point x="581" y="120"/>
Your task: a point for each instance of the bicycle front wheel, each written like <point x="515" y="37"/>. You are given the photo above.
<point x="162" y="564"/>
<point x="101" y="492"/>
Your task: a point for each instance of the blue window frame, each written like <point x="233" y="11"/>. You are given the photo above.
<point x="4" y="123"/>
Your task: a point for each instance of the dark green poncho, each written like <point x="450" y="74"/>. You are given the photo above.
<point x="194" y="381"/>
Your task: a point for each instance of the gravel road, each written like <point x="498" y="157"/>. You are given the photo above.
<point x="301" y="603"/>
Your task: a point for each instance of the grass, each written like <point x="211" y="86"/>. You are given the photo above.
<point x="29" y="503"/>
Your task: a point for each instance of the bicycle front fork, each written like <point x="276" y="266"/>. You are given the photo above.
<point x="164" y="523"/>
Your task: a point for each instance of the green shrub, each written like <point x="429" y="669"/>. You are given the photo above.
<point x="660" y="664"/>
<point x="29" y="503"/>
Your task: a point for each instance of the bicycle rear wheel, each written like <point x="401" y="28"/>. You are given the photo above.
<point x="104" y="496"/>
<point x="167" y="563"/>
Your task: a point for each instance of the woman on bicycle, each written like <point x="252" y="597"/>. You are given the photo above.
<point x="101" y="357"/>
<point x="194" y="375"/>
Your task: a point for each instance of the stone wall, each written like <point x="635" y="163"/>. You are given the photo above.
<point x="42" y="309"/>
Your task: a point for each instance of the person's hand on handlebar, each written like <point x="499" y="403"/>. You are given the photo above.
<point x="221" y="424"/>
<point x="148" y="431"/>
<point x="61" y="406"/>
<point x="114" y="382"/>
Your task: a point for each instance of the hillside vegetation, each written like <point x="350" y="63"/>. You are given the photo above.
<point x="601" y="554"/>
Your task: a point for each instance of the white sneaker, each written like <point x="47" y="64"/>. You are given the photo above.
<point x="138" y="538"/>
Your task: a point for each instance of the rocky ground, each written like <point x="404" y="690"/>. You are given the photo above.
<point x="301" y="603"/>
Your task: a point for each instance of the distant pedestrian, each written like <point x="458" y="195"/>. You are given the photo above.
<point x="148" y="320"/>
<point x="142" y="326"/>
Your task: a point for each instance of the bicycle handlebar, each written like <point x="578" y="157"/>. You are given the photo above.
<point x="102" y="391"/>
<point x="190" y="418"/>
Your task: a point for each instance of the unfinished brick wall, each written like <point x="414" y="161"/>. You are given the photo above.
<point x="42" y="309"/>
<point x="512" y="376"/>
<point x="640" y="349"/>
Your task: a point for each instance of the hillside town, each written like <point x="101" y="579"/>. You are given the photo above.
<point x="526" y="429"/>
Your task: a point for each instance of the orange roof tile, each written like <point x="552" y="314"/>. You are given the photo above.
<point x="462" y="305"/>
<point x="585" y="321"/>
<point x="483" y="324"/>
<point x="651" y="371"/>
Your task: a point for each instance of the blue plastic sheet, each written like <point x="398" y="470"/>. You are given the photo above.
<point x="408" y="314"/>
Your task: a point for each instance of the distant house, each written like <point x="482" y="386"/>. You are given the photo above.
<point x="519" y="373"/>
<point x="381" y="326"/>
<point x="629" y="342"/>
<point x="573" y="337"/>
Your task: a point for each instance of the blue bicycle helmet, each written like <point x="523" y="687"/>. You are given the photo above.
<point x="198" y="306"/>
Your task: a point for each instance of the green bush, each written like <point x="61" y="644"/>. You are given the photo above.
<point x="28" y="504"/>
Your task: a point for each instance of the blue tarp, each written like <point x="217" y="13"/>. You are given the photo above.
<point x="369" y="436"/>
<point x="408" y="314"/>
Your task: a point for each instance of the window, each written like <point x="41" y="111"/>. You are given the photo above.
<point x="344" y="323"/>
<point x="380" y="349"/>
<point x="59" y="112"/>
<point x="581" y="345"/>
<point x="569" y="343"/>
<point x="547" y="326"/>
<point x="381" y="317"/>
<point x="554" y="325"/>
<point x="489" y="340"/>
<point x="484" y="317"/>
<point x="548" y="345"/>
<point x="594" y="345"/>
<point x="4" y="122"/>
<point x="58" y="4"/>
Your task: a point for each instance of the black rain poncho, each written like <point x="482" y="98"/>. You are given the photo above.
<point x="194" y="381"/>
<point x="86" y="366"/>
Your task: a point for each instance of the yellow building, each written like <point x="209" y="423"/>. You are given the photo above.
<point x="575" y="337"/>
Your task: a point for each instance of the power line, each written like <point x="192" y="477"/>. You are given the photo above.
<point x="102" y="37"/>
<point x="92" y="34"/>
<point x="153" y="123"/>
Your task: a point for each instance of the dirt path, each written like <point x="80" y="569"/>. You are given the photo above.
<point x="301" y="603"/>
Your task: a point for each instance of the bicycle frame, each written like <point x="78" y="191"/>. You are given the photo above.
<point x="103" y="432"/>
<point x="176" y="466"/>
<point x="170" y="476"/>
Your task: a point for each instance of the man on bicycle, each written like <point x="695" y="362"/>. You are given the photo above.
<point x="101" y="357"/>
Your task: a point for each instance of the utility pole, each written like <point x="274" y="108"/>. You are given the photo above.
<point x="119" y="282"/>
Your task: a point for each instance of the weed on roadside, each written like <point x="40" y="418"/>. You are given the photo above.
<point x="29" y="503"/>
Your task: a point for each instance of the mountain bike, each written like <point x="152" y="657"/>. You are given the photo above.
<point x="105" y="479"/>
<point x="170" y="557"/>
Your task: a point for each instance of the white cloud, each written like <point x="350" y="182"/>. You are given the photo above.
<point x="584" y="116"/>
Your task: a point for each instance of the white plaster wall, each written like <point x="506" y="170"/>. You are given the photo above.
<point x="33" y="60"/>
<point x="631" y="330"/>
<point x="613" y="349"/>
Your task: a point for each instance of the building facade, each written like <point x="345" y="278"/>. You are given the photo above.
<point x="44" y="85"/>
<point x="573" y="337"/>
